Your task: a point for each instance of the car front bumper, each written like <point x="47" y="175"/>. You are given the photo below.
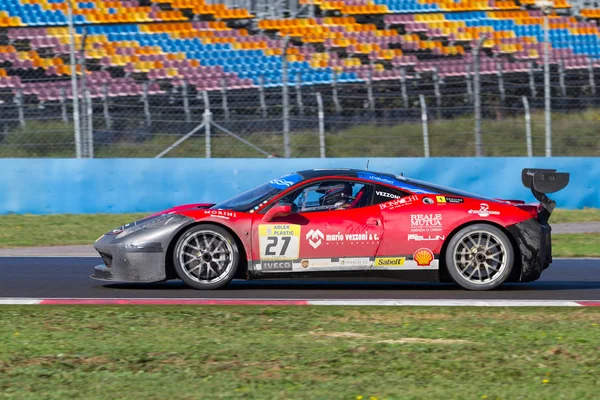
<point x="535" y="247"/>
<point x="139" y="256"/>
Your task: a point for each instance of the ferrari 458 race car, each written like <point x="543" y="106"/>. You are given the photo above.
<point x="341" y="222"/>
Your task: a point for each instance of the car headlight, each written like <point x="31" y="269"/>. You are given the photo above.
<point x="146" y="223"/>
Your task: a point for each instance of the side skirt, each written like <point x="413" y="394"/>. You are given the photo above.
<point x="400" y="275"/>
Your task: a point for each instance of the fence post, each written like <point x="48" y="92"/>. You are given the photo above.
<point x="532" y="81"/>
<point x="146" y="103"/>
<point x="63" y="105"/>
<point x="286" y="100"/>
<point x="425" y="127"/>
<point x="321" y="126"/>
<point x="561" y="78"/>
<point x="403" y="86"/>
<point x="527" y="127"/>
<point x="85" y="134"/>
<point x="207" y="126"/>
<point x="591" y="74"/>
<point x="477" y="95"/>
<point x="299" y="94"/>
<point x="370" y="98"/>
<point x="90" y="124"/>
<point x="105" y="107"/>
<point x="261" y="96"/>
<point x="224" y="98"/>
<point x="74" y="86"/>
<point x="19" y="102"/>
<point x="547" y="93"/>
<point x="186" y="101"/>
<point x="438" y="96"/>
<point x="469" y="77"/>
<point x="334" y="92"/>
<point x="500" y="75"/>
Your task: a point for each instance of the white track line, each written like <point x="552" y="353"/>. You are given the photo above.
<point x="373" y="302"/>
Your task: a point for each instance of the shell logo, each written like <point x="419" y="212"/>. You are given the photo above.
<point x="423" y="257"/>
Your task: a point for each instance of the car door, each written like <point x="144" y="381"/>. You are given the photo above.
<point x="324" y="233"/>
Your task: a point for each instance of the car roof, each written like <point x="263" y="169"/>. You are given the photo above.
<point x="319" y="173"/>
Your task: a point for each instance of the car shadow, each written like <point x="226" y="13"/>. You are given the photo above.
<point x="309" y="285"/>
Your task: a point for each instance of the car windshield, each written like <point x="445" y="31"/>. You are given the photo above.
<point x="253" y="198"/>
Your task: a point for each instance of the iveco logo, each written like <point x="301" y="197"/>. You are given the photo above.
<point x="315" y="238"/>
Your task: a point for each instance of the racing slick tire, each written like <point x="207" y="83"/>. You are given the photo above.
<point x="479" y="257"/>
<point x="206" y="257"/>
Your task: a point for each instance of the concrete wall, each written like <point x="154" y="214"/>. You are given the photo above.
<point x="57" y="186"/>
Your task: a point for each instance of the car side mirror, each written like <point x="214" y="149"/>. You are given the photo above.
<point x="278" y="210"/>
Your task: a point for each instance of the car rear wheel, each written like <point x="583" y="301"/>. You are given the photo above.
<point x="206" y="257"/>
<point x="479" y="257"/>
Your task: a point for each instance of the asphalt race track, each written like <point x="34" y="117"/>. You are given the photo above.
<point x="68" y="277"/>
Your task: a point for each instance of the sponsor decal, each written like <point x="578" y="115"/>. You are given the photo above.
<point x="315" y="238"/>
<point x="386" y="194"/>
<point x="419" y="238"/>
<point x="440" y="199"/>
<point x="286" y="181"/>
<point x="220" y="214"/>
<point x="397" y="203"/>
<point x="355" y="262"/>
<point x="428" y="200"/>
<point x="426" y="223"/>
<point x="376" y="178"/>
<point x="389" y="261"/>
<point x="484" y="211"/>
<point x="454" y="200"/>
<point x="401" y="183"/>
<point x="423" y="257"/>
<point x="276" y="266"/>
<point x="304" y="263"/>
<point x="279" y="241"/>
<point x="351" y="237"/>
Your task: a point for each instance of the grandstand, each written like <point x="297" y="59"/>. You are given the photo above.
<point x="134" y="48"/>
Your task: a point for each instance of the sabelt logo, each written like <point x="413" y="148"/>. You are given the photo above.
<point x="389" y="261"/>
<point x="423" y="257"/>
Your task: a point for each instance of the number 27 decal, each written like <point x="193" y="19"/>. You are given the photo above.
<point x="279" y="242"/>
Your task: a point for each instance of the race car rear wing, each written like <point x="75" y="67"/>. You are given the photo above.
<point x="542" y="181"/>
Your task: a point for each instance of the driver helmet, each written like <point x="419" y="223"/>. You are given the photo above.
<point x="338" y="195"/>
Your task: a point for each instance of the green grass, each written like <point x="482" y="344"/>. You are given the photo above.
<point x="560" y="216"/>
<point x="62" y="229"/>
<point x="574" y="134"/>
<point x="50" y="230"/>
<point x="183" y="352"/>
<point x="576" y="245"/>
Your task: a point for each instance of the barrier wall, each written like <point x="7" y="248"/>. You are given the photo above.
<point x="57" y="186"/>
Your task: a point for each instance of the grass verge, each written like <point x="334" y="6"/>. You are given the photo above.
<point x="298" y="352"/>
<point x="576" y="245"/>
<point x="51" y="230"/>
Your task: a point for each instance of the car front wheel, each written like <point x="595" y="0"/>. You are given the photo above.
<point x="479" y="257"/>
<point x="206" y="257"/>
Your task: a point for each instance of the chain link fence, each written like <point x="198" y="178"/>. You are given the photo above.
<point x="451" y="106"/>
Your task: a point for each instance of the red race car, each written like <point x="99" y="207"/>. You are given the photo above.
<point x="341" y="222"/>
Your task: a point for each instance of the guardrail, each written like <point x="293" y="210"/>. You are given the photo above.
<point x="60" y="186"/>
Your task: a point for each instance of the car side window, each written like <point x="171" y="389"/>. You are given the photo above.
<point x="383" y="194"/>
<point x="329" y="195"/>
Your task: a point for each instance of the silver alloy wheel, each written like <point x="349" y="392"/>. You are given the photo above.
<point x="480" y="257"/>
<point x="206" y="257"/>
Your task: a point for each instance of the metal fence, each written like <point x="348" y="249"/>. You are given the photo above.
<point x="426" y="113"/>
